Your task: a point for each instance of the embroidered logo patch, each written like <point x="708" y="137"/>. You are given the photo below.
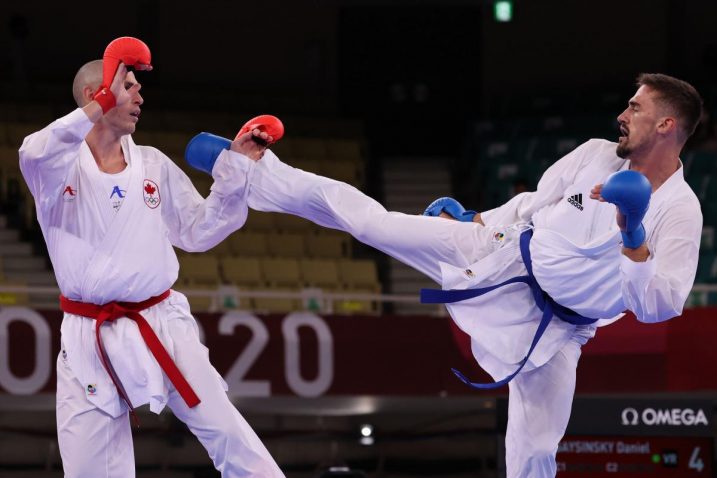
<point x="577" y="201"/>
<point x="469" y="273"/>
<point x="498" y="237"/>
<point x="69" y="194"/>
<point x="117" y="191"/>
<point x="91" y="389"/>
<point x="150" y="190"/>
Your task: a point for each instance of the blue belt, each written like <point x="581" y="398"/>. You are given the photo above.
<point x="544" y="302"/>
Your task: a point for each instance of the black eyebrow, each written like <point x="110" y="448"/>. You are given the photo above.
<point x="633" y="103"/>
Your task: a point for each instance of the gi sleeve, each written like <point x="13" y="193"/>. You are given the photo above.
<point x="657" y="289"/>
<point x="551" y="187"/>
<point x="47" y="155"/>
<point x="196" y="224"/>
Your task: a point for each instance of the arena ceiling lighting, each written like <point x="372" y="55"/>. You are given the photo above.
<point x="366" y="431"/>
<point x="503" y="10"/>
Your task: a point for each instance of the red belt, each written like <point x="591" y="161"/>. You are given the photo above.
<point x="114" y="310"/>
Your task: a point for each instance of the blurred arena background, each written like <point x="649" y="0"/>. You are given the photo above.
<point x="322" y="341"/>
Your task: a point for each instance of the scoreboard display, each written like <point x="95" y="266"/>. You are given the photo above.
<point x="596" y="456"/>
<point x="635" y="437"/>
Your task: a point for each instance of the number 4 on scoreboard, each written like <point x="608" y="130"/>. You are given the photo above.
<point x="695" y="460"/>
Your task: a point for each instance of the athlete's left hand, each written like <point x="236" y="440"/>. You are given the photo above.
<point x="245" y="144"/>
<point x="637" y="254"/>
<point x="596" y="193"/>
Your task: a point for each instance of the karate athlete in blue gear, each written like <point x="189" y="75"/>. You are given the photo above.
<point x="530" y="281"/>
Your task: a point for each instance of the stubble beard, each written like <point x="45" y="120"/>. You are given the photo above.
<point x="623" y="150"/>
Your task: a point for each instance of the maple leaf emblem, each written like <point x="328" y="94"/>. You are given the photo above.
<point x="151" y="194"/>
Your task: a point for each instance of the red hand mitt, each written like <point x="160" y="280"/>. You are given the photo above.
<point x="131" y="51"/>
<point x="268" y="124"/>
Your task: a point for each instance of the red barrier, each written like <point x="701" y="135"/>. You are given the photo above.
<point x="304" y="354"/>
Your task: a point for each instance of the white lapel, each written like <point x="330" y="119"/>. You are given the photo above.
<point x="115" y="225"/>
<point x="664" y="193"/>
<point x="133" y="198"/>
<point x="91" y="179"/>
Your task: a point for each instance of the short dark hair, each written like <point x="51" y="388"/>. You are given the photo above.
<point x="678" y="95"/>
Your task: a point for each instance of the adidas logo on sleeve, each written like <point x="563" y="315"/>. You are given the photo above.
<point x="577" y="201"/>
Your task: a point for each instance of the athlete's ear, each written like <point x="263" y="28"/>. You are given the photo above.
<point x="87" y="95"/>
<point x="666" y="125"/>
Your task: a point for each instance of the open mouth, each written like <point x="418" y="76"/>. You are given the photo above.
<point x="624" y="133"/>
<point x="135" y="114"/>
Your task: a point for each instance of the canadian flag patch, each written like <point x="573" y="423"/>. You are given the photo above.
<point x="150" y="190"/>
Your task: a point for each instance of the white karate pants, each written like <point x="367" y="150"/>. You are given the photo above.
<point x="93" y="444"/>
<point x="540" y="400"/>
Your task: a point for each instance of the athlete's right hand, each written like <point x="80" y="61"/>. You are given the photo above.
<point x="117" y="87"/>
<point x="451" y="207"/>
<point x="116" y="94"/>
<point x="131" y="51"/>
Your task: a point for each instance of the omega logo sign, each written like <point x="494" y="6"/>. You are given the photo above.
<point x="664" y="417"/>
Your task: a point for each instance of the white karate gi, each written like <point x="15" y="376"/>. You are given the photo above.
<point x="577" y="259"/>
<point x="101" y="255"/>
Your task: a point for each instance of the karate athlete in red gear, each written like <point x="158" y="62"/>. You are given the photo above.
<point x="110" y="211"/>
<point x="562" y="262"/>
